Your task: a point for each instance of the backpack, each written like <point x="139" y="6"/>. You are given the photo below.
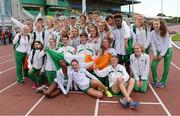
<point x="33" y="53"/>
<point x="17" y="44"/>
<point x="34" y="37"/>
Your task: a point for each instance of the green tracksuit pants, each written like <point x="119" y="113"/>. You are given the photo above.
<point x="167" y="62"/>
<point x="51" y="75"/>
<point x="143" y="88"/>
<point x="36" y="76"/>
<point x="19" y="57"/>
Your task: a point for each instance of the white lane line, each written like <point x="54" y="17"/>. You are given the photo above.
<point x="175" y="66"/>
<point x="5" y="56"/>
<point x="143" y="103"/>
<point x="8" y="87"/>
<point x="7" y="61"/>
<point x="96" y="108"/>
<point x="7" y="70"/>
<point x="27" y="114"/>
<point x="160" y="101"/>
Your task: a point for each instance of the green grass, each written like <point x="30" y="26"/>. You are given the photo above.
<point x="176" y="37"/>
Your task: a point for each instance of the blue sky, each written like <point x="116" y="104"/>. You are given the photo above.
<point x="153" y="7"/>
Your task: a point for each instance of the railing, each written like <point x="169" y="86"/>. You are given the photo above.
<point x="33" y="2"/>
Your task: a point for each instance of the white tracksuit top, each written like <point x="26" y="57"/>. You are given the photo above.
<point x="113" y="73"/>
<point x="24" y="44"/>
<point x="49" y="64"/>
<point x="39" y="37"/>
<point x="119" y="45"/>
<point x="140" y="66"/>
<point x="61" y="81"/>
<point x="85" y="49"/>
<point x="81" y="78"/>
<point x="68" y="50"/>
<point x="37" y="59"/>
<point x="141" y="36"/>
<point x="48" y="35"/>
<point x="74" y="42"/>
<point x="111" y="51"/>
<point x="160" y="44"/>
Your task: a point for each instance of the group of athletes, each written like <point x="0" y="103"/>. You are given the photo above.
<point x="69" y="40"/>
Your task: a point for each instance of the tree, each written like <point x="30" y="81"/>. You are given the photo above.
<point x="161" y="15"/>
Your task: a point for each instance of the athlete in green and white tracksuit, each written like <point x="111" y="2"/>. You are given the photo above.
<point x="122" y="39"/>
<point x="35" y="63"/>
<point x="22" y="43"/>
<point x="49" y="66"/>
<point x="140" y="69"/>
<point x="161" y="49"/>
<point x="140" y="33"/>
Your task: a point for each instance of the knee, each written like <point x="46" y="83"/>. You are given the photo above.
<point x="94" y="83"/>
<point x="99" y="95"/>
<point x="131" y="80"/>
<point x="47" y="94"/>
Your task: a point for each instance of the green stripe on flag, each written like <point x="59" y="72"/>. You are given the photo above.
<point x="55" y="56"/>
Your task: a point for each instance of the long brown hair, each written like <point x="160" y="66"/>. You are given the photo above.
<point x="102" y="47"/>
<point x="96" y="29"/>
<point x="163" y="27"/>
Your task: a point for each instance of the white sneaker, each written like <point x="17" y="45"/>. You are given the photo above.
<point x="40" y="89"/>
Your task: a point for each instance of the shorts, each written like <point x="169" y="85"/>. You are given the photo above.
<point x="86" y="90"/>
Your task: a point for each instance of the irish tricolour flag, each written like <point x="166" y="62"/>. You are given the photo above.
<point x="84" y="60"/>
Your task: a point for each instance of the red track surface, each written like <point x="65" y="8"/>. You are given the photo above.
<point x="18" y="99"/>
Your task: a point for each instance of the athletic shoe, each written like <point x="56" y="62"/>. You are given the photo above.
<point x="133" y="104"/>
<point x="108" y="93"/>
<point x="123" y="102"/>
<point x="40" y="89"/>
<point x="161" y="85"/>
<point x="154" y="84"/>
<point x="21" y="82"/>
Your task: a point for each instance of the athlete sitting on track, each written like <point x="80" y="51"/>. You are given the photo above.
<point x="118" y="81"/>
<point x="93" y="86"/>
<point x="61" y="83"/>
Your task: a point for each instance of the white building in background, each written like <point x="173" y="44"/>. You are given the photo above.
<point x="5" y="11"/>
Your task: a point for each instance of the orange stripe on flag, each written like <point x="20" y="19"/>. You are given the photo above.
<point x="101" y="62"/>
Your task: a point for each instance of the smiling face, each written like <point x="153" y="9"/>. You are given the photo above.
<point x="101" y="27"/>
<point x="52" y="43"/>
<point x="118" y="22"/>
<point x="114" y="61"/>
<point x="73" y="22"/>
<point x="156" y="25"/>
<point x="137" y="49"/>
<point x="110" y="21"/>
<point x="75" y="65"/>
<point x="96" y="17"/>
<point x="83" y="39"/>
<point x="25" y="29"/>
<point x="105" y="44"/>
<point x="37" y="45"/>
<point x="139" y="20"/>
<point x="65" y="41"/>
<point x="82" y="19"/>
<point x="75" y="32"/>
<point x="93" y="32"/>
<point x="63" y="63"/>
<point x="49" y="23"/>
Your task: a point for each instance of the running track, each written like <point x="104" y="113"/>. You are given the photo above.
<point x="18" y="99"/>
